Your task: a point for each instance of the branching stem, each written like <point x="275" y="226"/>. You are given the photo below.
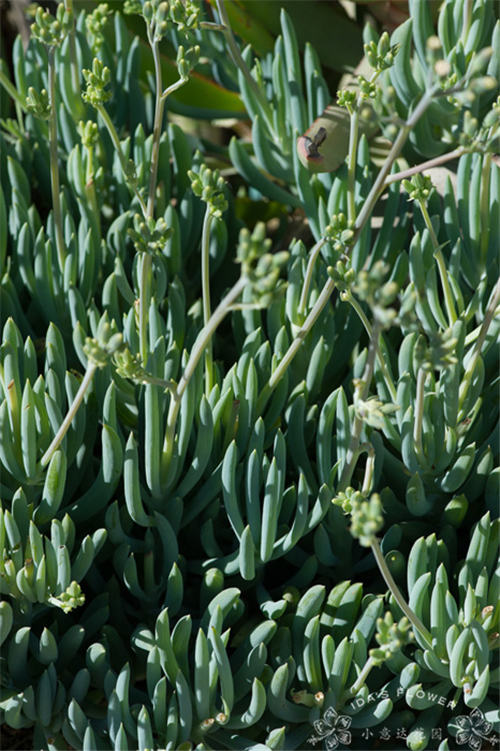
<point x="388" y="578"/>
<point x="435" y="162"/>
<point x="56" y="442"/>
<point x="158" y="121"/>
<point x="116" y="143"/>
<point x="197" y="351"/>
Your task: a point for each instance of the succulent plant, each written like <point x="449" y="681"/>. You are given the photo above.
<point x="211" y="416"/>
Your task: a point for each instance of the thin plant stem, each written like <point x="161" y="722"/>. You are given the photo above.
<point x="90" y="187"/>
<point x="75" y="75"/>
<point x="54" y="166"/>
<point x="205" y="288"/>
<point x="197" y="351"/>
<point x="56" y="442"/>
<point x="441" y="264"/>
<point x="351" y="169"/>
<point x="240" y="63"/>
<point x="158" y="120"/>
<point x="353" y="448"/>
<point x="388" y="578"/>
<point x="173" y="87"/>
<point x="313" y="257"/>
<point x="361" y="679"/>
<point x="116" y="143"/>
<point x="438" y="160"/>
<point x="419" y="414"/>
<point x="379" y="184"/>
<point x="301" y="334"/>
<point x="348" y="297"/>
<point x="144" y="300"/>
<point x="469" y="372"/>
<point x="369" y="469"/>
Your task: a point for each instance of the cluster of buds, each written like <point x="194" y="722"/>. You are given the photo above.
<point x="97" y="79"/>
<point x="346" y="98"/>
<point x="187" y="59"/>
<point x="148" y="235"/>
<point x="161" y="15"/>
<point x="372" y="411"/>
<point x="130" y="366"/>
<point x="367" y="89"/>
<point x="52" y="30"/>
<point x="391" y="637"/>
<point x="88" y="132"/>
<point x="342" y="274"/>
<point x="371" y="287"/>
<point x="419" y="187"/>
<point x="381" y="56"/>
<point x="38" y="103"/>
<point x="262" y="267"/>
<point x="348" y="499"/>
<point x="340" y="233"/>
<point x="100" y="349"/>
<point x="95" y="23"/>
<point x="208" y="185"/>
<point x="366" y="519"/>
<point x="70" y="599"/>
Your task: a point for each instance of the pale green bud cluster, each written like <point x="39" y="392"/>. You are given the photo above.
<point x="342" y="274"/>
<point x="340" y="233"/>
<point x="49" y="30"/>
<point x="262" y="267"/>
<point x="371" y="287"/>
<point x="132" y="6"/>
<point x="346" y="98"/>
<point x="38" y="103"/>
<point x="161" y="15"/>
<point x="367" y="89"/>
<point x="95" y="23"/>
<point x="148" y="235"/>
<point x="252" y="245"/>
<point x="391" y="637"/>
<point x="381" y="56"/>
<point x="208" y="185"/>
<point x="419" y="187"/>
<point x="372" y="411"/>
<point x="187" y="59"/>
<point x="348" y="499"/>
<point x="98" y="350"/>
<point x="97" y="80"/>
<point x="88" y="132"/>
<point x="70" y="599"/>
<point x="366" y="519"/>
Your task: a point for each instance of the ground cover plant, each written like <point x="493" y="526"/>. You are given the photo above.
<point x="249" y="387"/>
